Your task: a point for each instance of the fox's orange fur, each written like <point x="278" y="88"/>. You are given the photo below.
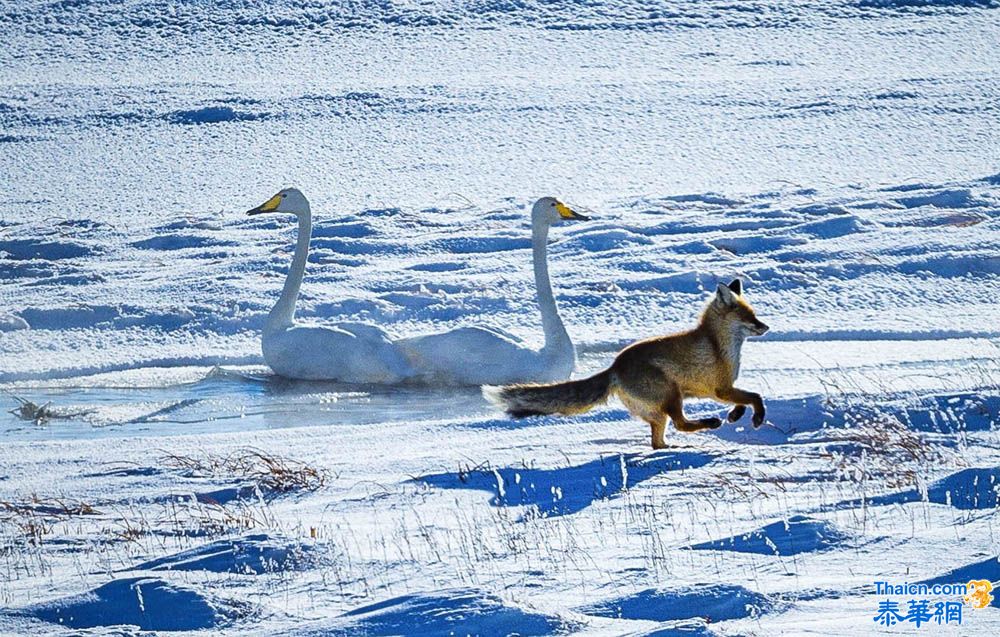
<point x="653" y="377"/>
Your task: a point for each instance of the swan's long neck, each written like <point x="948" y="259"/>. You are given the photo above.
<point x="283" y="312"/>
<point x="557" y="342"/>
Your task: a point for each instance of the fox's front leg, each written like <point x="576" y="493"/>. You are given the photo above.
<point x="742" y="398"/>
<point x="736" y="413"/>
<point x="674" y="407"/>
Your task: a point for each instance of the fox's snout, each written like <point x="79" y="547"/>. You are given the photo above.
<point x="760" y="328"/>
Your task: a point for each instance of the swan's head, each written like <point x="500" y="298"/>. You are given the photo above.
<point x="289" y="200"/>
<point x="550" y="211"/>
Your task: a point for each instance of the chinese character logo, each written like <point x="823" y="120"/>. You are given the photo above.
<point x="979" y="593"/>
<point x="918" y="612"/>
<point x="888" y="613"/>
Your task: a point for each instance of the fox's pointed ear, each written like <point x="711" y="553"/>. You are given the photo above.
<point x="736" y="286"/>
<point x="724" y="296"/>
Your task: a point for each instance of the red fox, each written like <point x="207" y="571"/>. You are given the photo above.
<point x="652" y="377"/>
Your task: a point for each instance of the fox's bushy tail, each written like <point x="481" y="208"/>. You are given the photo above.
<point x="569" y="397"/>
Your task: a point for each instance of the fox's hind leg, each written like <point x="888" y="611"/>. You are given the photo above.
<point x="643" y="389"/>
<point x="649" y="394"/>
<point x="658" y="427"/>
<point x="656" y="418"/>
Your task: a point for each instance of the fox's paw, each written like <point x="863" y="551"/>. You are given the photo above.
<point x="710" y="423"/>
<point x="758" y="419"/>
<point x="736" y="413"/>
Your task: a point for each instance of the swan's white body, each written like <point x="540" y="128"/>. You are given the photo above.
<point x="360" y="353"/>
<point x="347" y="352"/>
<point x="481" y="356"/>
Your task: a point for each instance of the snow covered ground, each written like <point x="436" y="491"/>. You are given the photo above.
<point x="841" y="157"/>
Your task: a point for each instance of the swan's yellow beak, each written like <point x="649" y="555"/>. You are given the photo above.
<point x="268" y="206"/>
<point x="568" y="213"/>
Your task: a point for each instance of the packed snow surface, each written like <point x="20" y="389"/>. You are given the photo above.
<point x="841" y="157"/>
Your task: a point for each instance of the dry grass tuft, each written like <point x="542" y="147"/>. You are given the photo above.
<point x="877" y="445"/>
<point x="32" y="412"/>
<point x="271" y="474"/>
<point x="39" y="414"/>
<point x="30" y="521"/>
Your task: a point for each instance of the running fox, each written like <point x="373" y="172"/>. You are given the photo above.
<point x="653" y="377"/>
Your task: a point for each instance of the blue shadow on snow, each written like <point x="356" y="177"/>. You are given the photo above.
<point x="566" y="490"/>
<point x="798" y="534"/>
<point x="150" y="604"/>
<point x="449" y="612"/>
<point x="966" y="490"/>
<point x="253" y="554"/>
<point x="713" y="602"/>
<point x="988" y="569"/>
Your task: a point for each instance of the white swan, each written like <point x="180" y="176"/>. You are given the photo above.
<point x="478" y="356"/>
<point x="348" y="352"/>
